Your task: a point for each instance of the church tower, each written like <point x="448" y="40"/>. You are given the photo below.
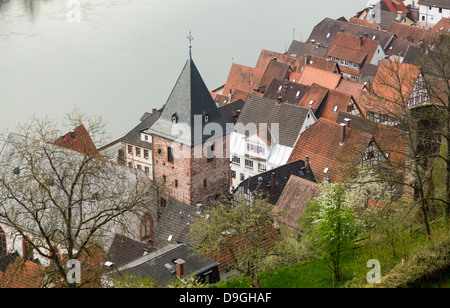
<point x="190" y="148"/>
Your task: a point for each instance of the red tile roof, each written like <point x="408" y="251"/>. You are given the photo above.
<point x="22" y="274"/>
<point x="294" y="198"/>
<point x="242" y="77"/>
<point x="396" y="6"/>
<point x="411" y="33"/>
<point x="363" y="22"/>
<point x="352" y="48"/>
<point x="326" y="79"/>
<point x="392" y="85"/>
<point x="275" y="69"/>
<point x="314" y="97"/>
<point x="78" y="140"/>
<point x="328" y="157"/>
<point x="334" y="103"/>
<point x="266" y="56"/>
<point x="442" y="26"/>
<point x="239" y="95"/>
<point x="320" y="63"/>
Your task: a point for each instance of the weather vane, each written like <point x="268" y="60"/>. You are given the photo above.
<point x="190" y="38"/>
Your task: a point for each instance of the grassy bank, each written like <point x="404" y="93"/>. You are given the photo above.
<point x="409" y="260"/>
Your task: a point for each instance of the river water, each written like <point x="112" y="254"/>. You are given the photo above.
<point x="121" y="58"/>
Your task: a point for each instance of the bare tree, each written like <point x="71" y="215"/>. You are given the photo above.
<point x="396" y="98"/>
<point x="67" y="203"/>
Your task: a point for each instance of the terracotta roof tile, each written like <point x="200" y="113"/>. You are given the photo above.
<point x="320" y="63"/>
<point x="411" y="33"/>
<point x="295" y="196"/>
<point x="275" y="69"/>
<point x="266" y="56"/>
<point x="387" y="86"/>
<point x="326" y="79"/>
<point x="363" y="22"/>
<point x="443" y="25"/>
<point x="314" y="98"/>
<point x="333" y="103"/>
<point x="352" y="48"/>
<point x="78" y="140"/>
<point x="328" y="158"/>
<point x="396" y="6"/>
<point x="242" y="77"/>
<point x="239" y="95"/>
<point x="391" y="141"/>
<point x="22" y="274"/>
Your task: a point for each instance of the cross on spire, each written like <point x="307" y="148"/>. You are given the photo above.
<point x="190" y="38"/>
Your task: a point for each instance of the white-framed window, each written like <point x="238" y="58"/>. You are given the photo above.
<point x="249" y="164"/>
<point x="255" y="149"/>
<point x="262" y="167"/>
<point x="236" y="160"/>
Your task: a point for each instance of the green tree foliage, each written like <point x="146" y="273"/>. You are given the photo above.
<point x="335" y="226"/>
<point x="240" y="228"/>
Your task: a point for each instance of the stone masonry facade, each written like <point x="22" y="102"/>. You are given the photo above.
<point x="191" y="177"/>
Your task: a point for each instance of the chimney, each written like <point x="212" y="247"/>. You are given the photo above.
<point x="153" y="110"/>
<point x="180" y="267"/>
<point x="360" y="40"/>
<point x="307" y="162"/>
<point x="343" y="134"/>
<point x="347" y="122"/>
<point x="273" y="184"/>
<point x="230" y="95"/>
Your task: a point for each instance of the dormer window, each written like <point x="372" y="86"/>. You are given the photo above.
<point x="174" y="118"/>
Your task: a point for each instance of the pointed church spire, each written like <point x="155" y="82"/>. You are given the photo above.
<point x="188" y="109"/>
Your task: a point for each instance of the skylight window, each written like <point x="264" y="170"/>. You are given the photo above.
<point x="335" y="109"/>
<point x="325" y="170"/>
<point x="298" y="94"/>
<point x="311" y="102"/>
